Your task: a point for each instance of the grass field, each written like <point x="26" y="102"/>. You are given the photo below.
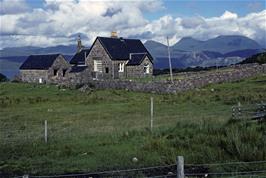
<point x="105" y="129"/>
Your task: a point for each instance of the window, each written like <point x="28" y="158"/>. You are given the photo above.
<point x="64" y="72"/>
<point x="121" y="67"/>
<point x="97" y="66"/>
<point x="55" y="72"/>
<point x="107" y="70"/>
<point x="146" y="69"/>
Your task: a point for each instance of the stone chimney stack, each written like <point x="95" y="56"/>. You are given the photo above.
<point x="79" y="46"/>
<point x="114" y="34"/>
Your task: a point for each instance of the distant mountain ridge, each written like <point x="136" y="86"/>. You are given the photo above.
<point x="222" y="50"/>
<point x="29" y="50"/>
<point x="188" y="52"/>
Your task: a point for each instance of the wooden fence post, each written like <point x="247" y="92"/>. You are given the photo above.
<point x="180" y="167"/>
<point x="151" y="113"/>
<point x="45" y="131"/>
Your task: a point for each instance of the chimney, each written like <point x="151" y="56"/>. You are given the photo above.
<point x="114" y="34"/>
<point x="79" y="46"/>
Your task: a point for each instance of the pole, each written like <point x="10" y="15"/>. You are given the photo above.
<point x="170" y="62"/>
<point x="151" y="113"/>
<point x="180" y="167"/>
<point x="45" y="131"/>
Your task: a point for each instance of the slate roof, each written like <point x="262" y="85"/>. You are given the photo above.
<point x="39" y="62"/>
<point x="77" y="69"/>
<point x="136" y="59"/>
<point x="79" y="58"/>
<point x="120" y="49"/>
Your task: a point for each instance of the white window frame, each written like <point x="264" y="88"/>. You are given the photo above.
<point x="146" y="68"/>
<point x="121" y="67"/>
<point x="40" y="80"/>
<point x="97" y="66"/>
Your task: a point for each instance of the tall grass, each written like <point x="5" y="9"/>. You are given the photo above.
<point x="104" y="130"/>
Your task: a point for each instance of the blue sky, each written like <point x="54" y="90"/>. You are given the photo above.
<point x="206" y="8"/>
<point x="212" y="8"/>
<point x="53" y="22"/>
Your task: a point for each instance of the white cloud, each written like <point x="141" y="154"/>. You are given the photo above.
<point x="252" y="25"/>
<point x="13" y="6"/>
<point x="59" y="20"/>
<point x="229" y="15"/>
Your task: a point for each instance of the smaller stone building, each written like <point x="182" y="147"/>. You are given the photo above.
<point x="44" y="68"/>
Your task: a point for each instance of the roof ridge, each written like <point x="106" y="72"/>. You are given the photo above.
<point x="51" y="54"/>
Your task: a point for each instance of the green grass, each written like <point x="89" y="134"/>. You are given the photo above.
<point x="105" y="129"/>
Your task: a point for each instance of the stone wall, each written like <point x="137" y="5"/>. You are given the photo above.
<point x="34" y="76"/>
<point x="236" y="73"/>
<point x="77" y="78"/>
<point x="98" y="52"/>
<point x="137" y="71"/>
<point x="47" y="76"/>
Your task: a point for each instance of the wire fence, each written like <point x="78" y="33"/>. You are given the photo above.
<point x="170" y="171"/>
<point x="33" y="132"/>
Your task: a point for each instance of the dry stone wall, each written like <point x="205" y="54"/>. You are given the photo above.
<point x="235" y="73"/>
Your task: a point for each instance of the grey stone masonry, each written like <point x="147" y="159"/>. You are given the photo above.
<point x="137" y="71"/>
<point x="57" y="72"/>
<point x="234" y="73"/>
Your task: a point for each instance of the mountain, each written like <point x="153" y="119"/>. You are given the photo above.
<point x="243" y="53"/>
<point x="188" y="44"/>
<point x="222" y="44"/>
<point x="222" y="50"/>
<point x="258" y="58"/>
<point x="188" y="52"/>
<point x="28" y="50"/>
<point x="156" y="48"/>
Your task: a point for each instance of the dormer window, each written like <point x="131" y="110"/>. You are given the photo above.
<point x="121" y="67"/>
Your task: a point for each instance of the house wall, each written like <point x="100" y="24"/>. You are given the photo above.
<point x="99" y="52"/>
<point x="33" y="76"/>
<point x="137" y="71"/>
<point x="47" y="76"/>
<point x="59" y="64"/>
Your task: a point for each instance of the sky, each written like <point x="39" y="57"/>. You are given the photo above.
<point x="45" y="23"/>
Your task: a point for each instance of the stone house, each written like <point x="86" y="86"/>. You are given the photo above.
<point x="44" y="68"/>
<point x="113" y="58"/>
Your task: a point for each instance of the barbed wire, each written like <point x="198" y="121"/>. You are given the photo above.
<point x="109" y="172"/>
<point x="228" y="163"/>
<point x="226" y="173"/>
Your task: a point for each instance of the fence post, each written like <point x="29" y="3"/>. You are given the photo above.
<point x="151" y="113"/>
<point x="239" y="110"/>
<point x="45" y="131"/>
<point x="180" y="167"/>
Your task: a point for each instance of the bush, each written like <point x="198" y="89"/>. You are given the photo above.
<point x="3" y="78"/>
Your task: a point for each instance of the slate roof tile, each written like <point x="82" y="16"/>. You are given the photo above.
<point x="39" y="62"/>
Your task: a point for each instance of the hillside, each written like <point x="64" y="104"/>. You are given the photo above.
<point x="29" y="50"/>
<point x="258" y="58"/>
<point x="105" y="129"/>
<point x="189" y="52"/>
<point x="222" y="44"/>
